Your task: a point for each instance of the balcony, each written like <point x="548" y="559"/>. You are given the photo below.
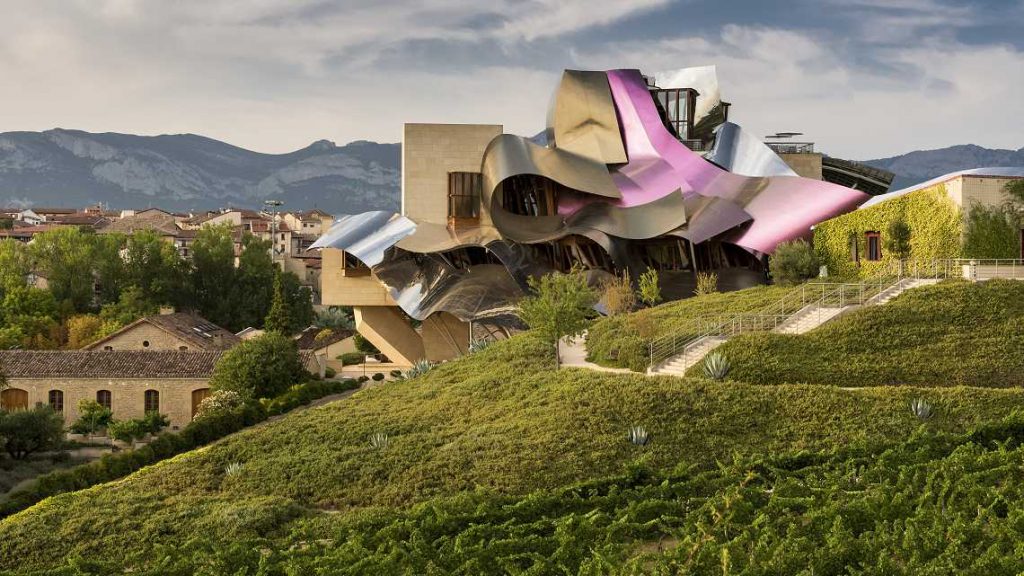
<point x="791" y="147"/>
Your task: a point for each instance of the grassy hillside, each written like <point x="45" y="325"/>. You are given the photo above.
<point x="497" y="423"/>
<point x="933" y="504"/>
<point x="954" y="333"/>
<point x="621" y="341"/>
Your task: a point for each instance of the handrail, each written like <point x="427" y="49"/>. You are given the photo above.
<point x="833" y="294"/>
<point x="819" y="294"/>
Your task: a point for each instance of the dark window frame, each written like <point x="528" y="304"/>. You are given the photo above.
<point x="151" y="401"/>
<point x="464" y="192"/>
<point x="105" y="398"/>
<point x="874" y="245"/>
<point x="55" y="399"/>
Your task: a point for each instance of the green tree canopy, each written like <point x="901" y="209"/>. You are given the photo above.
<point x="300" y="302"/>
<point x="254" y="287"/>
<point x="15" y="264"/>
<point x="793" y="262"/>
<point x="213" y="273"/>
<point x="263" y="367"/>
<point x="560" y="306"/>
<point x="153" y="266"/>
<point x="64" y="256"/>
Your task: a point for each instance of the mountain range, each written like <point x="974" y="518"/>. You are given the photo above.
<point x="189" y="172"/>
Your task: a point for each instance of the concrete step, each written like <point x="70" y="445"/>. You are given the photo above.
<point x="680" y="363"/>
<point x="808" y="319"/>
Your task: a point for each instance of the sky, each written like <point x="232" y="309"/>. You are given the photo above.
<point x="861" y="78"/>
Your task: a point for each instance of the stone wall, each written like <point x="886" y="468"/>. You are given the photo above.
<point x="429" y="153"/>
<point x="138" y="337"/>
<point x="127" y="395"/>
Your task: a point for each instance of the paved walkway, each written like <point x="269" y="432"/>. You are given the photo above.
<point x="572" y="353"/>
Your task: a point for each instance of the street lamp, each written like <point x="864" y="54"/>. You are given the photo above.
<point x="273" y="205"/>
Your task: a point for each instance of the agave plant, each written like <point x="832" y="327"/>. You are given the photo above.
<point x="478" y="344"/>
<point x="638" y="435"/>
<point x="420" y="368"/>
<point x="716" y="366"/>
<point x="921" y="409"/>
<point x="233" y="469"/>
<point x="379" y="440"/>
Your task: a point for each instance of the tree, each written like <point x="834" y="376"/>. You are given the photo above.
<point x="300" y="302"/>
<point x="92" y="416"/>
<point x="30" y="318"/>
<point x="991" y="232"/>
<point x="263" y="367"/>
<point x="27" y="431"/>
<point x="130" y="307"/>
<point x="110" y="270"/>
<point x="254" y="288"/>
<point x="153" y="266"/>
<point x="897" y="241"/>
<point x="64" y="256"/>
<point x="793" y="262"/>
<point x="650" y="291"/>
<point x="560" y="306"/>
<point x="213" y="273"/>
<point x="279" y="319"/>
<point x="15" y="264"/>
<point x="85" y="329"/>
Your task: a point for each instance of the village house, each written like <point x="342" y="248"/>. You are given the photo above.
<point x="128" y="382"/>
<point x="170" y="330"/>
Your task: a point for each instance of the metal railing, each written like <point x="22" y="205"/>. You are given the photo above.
<point x="819" y="294"/>
<point x="967" y="268"/>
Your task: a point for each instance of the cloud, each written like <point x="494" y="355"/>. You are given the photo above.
<point x="274" y="75"/>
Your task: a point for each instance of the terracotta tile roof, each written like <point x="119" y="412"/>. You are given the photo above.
<point x="198" y="332"/>
<point x="307" y="338"/>
<point x="112" y="364"/>
<point x="156" y="220"/>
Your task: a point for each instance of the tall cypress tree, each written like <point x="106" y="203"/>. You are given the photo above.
<point x="279" y="319"/>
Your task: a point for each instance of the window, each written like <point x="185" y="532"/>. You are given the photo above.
<point x="183" y="348"/>
<point x="145" y="343"/>
<point x="56" y="400"/>
<point x="854" y="248"/>
<point x="677" y="104"/>
<point x="108" y="348"/>
<point x="152" y="401"/>
<point x="874" y="245"/>
<point x="103" y="398"/>
<point x="464" y="194"/>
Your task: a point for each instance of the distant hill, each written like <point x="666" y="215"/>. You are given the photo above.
<point x="186" y="171"/>
<point x="921" y="165"/>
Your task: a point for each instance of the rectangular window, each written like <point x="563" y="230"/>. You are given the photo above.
<point x="464" y="190"/>
<point x="874" y="246"/>
<point x="677" y="104"/>
<point x="151" y="401"/>
<point x="56" y="398"/>
<point x="854" y="248"/>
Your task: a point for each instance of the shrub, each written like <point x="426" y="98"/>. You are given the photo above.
<point x="638" y="435"/>
<point x="92" y="417"/>
<point x="648" y="288"/>
<point x="218" y="403"/>
<point x="330" y="372"/>
<point x="716" y="366"/>
<point x="351" y="358"/>
<point x="154" y="422"/>
<point x="396" y="374"/>
<point x="379" y="440"/>
<point x="363" y="345"/>
<point x="263" y="367"/>
<point x="707" y="283"/>
<point x="793" y="262"/>
<point x="421" y="367"/>
<point x="618" y="295"/>
<point x="362" y="379"/>
<point x="302" y="394"/>
<point x="921" y="409"/>
<point x="127" y="430"/>
<point x="26" y="431"/>
<point x="478" y="345"/>
<point x="378" y="377"/>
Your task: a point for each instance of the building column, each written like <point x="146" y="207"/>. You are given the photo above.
<point x="387" y="328"/>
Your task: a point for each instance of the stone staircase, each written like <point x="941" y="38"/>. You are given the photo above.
<point x="680" y="363"/>
<point x="898" y="288"/>
<point x="804" y="320"/>
<point x="809" y="318"/>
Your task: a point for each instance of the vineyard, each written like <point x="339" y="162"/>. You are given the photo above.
<point x="494" y="463"/>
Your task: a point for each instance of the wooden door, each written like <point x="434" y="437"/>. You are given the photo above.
<point x="197" y="397"/>
<point x="14" y="399"/>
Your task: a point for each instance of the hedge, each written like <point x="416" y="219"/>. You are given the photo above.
<point x="197" y="433"/>
<point x="935" y="224"/>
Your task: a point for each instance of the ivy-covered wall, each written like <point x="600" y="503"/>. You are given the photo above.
<point x="936" y="228"/>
